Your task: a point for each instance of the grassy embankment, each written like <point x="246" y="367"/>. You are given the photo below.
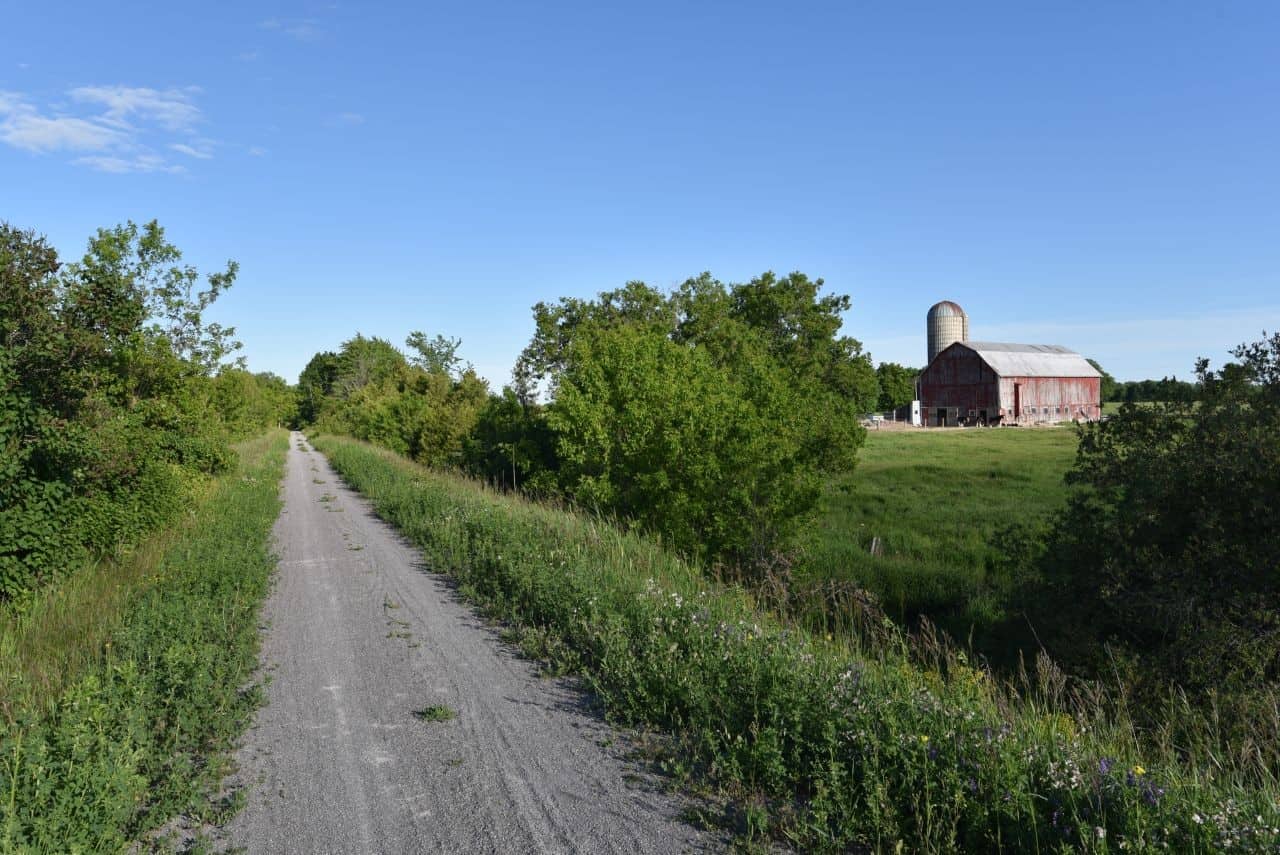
<point x="936" y="499"/>
<point x="829" y="745"/>
<point x="124" y="683"/>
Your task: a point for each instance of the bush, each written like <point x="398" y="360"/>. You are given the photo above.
<point x="709" y="416"/>
<point x="104" y="372"/>
<point x="370" y="390"/>
<point x="717" y="459"/>
<point x="1166" y="559"/>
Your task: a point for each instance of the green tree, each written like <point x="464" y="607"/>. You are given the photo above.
<point x="316" y="385"/>
<point x="438" y="354"/>
<point x="104" y="394"/>
<point x="709" y="415"/>
<point x="719" y="460"/>
<point x="512" y="446"/>
<point x="370" y="390"/>
<point x="1167" y="552"/>
<point x="897" y="385"/>
<point x="249" y="403"/>
<point x="364" y="362"/>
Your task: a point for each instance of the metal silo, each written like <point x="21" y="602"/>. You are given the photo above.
<point x="947" y="324"/>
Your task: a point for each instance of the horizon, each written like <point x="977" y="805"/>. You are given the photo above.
<point x="1100" y="180"/>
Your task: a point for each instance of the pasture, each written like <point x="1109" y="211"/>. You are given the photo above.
<point x="937" y="500"/>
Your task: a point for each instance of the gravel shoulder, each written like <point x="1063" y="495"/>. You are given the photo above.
<point x="358" y="639"/>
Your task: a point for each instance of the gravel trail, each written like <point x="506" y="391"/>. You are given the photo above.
<point x="358" y="639"/>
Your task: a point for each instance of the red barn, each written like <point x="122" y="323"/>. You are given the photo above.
<point x="983" y="382"/>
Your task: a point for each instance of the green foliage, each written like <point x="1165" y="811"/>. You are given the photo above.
<point x="709" y="415"/>
<point x="721" y="460"/>
<point x="248" y="402"/>
<point x="437" y="355"/>
<point x="435" y="713"/>
<point x="427" y="409"/>
<point x="1168" y="553"/>
<point x="512" y="446"/>
<point x="937" y="502"/>
<point x="315" y="386"/>
<point x="897" y="385"/>
<point x="135" y="738"/>
<point x="105" y="407"/>
<point x="1153" y="391"/>
<point x="830" y="748"/>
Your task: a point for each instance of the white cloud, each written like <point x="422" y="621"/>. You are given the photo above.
<point x="116" y="128"/>
<point x="38" y="133"/>
<point x="170" y="108"/>
<point x="138" y="163"/>
<point x="257" y="151"/>
<point x="191" y="151"/>
<point x="21" y="126"/>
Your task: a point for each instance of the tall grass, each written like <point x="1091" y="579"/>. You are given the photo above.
<point x="827" y="742"/>
<point x="123" y="684"/>
<point x="935" y="500"/>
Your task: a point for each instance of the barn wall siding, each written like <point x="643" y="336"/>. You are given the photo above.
<point x="961" y="385"/>
<point x="961" y="382"/>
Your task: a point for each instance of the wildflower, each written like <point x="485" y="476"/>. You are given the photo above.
<point x="924" y="739"/>
<point x="1099" y="832"/>
<point x="1104" y="766"/>
<point x="1139" y="771"/>
<point x="1197" y="819"/>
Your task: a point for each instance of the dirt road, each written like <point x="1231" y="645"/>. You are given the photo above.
<point x="359" y="640"/>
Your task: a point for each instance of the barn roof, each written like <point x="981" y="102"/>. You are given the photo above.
<point x="1031" y="360"/>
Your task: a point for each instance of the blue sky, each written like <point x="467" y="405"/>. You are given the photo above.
<point x="1098" y="175"/>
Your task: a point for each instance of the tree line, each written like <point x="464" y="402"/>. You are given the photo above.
<point x="710" y="415"/>
<point x="116" y="395"/>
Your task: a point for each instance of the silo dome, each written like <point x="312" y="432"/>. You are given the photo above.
<point x="947" y="324"/>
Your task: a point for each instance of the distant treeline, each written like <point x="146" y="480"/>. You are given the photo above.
<point x="1142" y="391"/>
<point x="114" y="396"/>
<point x="1145" y="391"/>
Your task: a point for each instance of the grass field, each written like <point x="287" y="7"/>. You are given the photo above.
<point x="936" y="500"/>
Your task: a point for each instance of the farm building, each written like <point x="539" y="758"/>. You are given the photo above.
<point x="991" y="383"/>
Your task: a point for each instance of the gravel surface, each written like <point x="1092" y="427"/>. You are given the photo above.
<point x="359" y="638"/>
